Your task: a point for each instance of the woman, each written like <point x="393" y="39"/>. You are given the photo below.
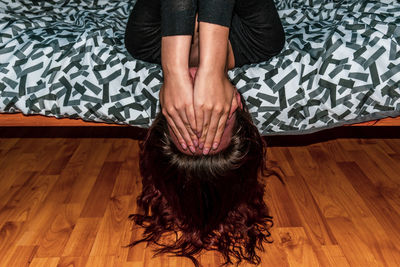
<point x="215" y="35"/>
<point x="209" y="198"/>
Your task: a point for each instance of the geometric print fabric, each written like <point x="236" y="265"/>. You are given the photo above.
<point x="340" y="64"/>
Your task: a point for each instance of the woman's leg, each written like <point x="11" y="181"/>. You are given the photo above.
<point x="150" y="20"/>
<point x="143" y="31"/>
<point x="143" y="34"/>
<point x="256" y="32"/>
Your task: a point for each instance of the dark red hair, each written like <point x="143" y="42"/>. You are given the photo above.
<point x="212" y="202"/>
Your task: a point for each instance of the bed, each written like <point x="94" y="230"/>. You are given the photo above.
<point x="63" y="63"/>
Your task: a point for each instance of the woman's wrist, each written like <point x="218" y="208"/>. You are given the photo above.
<point x="175" y="70"/>
<point x="211" y="72"/>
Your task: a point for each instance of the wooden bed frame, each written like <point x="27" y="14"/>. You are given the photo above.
<point x="19" y="119"/>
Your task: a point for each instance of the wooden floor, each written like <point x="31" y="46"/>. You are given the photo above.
<point x="65" y="199"/>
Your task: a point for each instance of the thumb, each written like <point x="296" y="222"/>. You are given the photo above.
<point x="234" y="104"/>
<point x="160" y="95"/>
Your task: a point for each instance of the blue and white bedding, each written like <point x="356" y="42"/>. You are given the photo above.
<point x="66" y="58"/>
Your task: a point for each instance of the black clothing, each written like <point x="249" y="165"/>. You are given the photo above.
<point x="216" y="11"/>
<point x="177" y="16"/>
<point x="256" y="33"/>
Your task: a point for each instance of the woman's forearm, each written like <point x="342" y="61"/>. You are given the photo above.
<point x="213" y="47"/>
<point x="175" y="54"/>
<point x="176" y="93"/>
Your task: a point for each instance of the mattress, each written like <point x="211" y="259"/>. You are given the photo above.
<point x="66" y="58"/>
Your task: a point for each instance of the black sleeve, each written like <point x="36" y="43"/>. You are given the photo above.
<point x="178" y="17"/>
<point x="216" y="11"/>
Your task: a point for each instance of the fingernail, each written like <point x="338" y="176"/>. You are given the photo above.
<point x="192" y="149"/>
<point x="201" y="145"/>
<point x="184" y="146"/>
<point x="195" y="143"/>
<point x="198" y="135"/>
<point x="215" y="145"/>
<point x="205" y="151"/>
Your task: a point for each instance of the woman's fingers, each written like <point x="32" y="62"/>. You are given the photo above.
<point x="222" y="121"/>
<point x="206" y="114"/>
<point x="180" y="130"/>
<point x="188" y="128"/>
<point x="175" y="130"/>
<point x="213" y="101"/>
<point x="217" y="126"/>
<point x="191" y="124"/>
<point x="176" y="123"/>
<point x="199" y="122"/>
<point x="176" y="99"/>
<point x="235" y="103"/>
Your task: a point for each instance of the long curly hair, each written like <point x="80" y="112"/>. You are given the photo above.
<point x="212" y="202"/>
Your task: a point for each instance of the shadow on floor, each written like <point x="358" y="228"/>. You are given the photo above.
<point x="386" y="132"/>
<point x="137" y="133"/>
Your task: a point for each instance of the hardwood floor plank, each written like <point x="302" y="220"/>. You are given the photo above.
<point x="384" y="245"/>
<point x="335" y="256"/>
<point x="385" y="220"/>
<point x="27" y="199"/>
<point x="297" y="246"/>
<point x="128" y="182"/>
<point x="83" y="169"/>
<point x="337" y="186"/>
<point x="119" y="149"/>
<point x="73" y="261"/>
<point x="109" y="239"/>
<point x="100" y="194"/>
<point x="81" y="240"/>
<point x="53" y="241"/>
<point x="281" y="156"/>
<point x="6" y="145"/>
<point x="387" y="164"/>
<point x="61" y="158"/>
<point x="280" y="204"/>
<point x="39" y="224"/>
<point x="313" y="220"/>
<point x="22" y="256"/>
<point x="66" y="186"/>
<point x="318" y="181"/>
<point x="387" y="186"/>
<point x="352" y="242"/>
<point x="10" y="232"/>
<point x="44" y="262"/>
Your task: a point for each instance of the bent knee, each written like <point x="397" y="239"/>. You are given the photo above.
<point x="271" y="42"/>
<point x="144" y="43"/>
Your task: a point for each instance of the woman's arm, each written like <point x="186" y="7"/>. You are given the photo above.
<point x="213" y="92"/>
<point x="176" y="94"/>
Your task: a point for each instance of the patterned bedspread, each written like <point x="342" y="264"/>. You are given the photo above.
<point x="66" y="58"/>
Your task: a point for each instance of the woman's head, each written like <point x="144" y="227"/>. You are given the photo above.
<point x="225" y="138"/>
<point x="215" y="201"/>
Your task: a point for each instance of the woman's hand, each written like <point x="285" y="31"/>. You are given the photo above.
<point x="213" y="101"/>
<point x="176" y="99"/>
<point x="176" y="93"/>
